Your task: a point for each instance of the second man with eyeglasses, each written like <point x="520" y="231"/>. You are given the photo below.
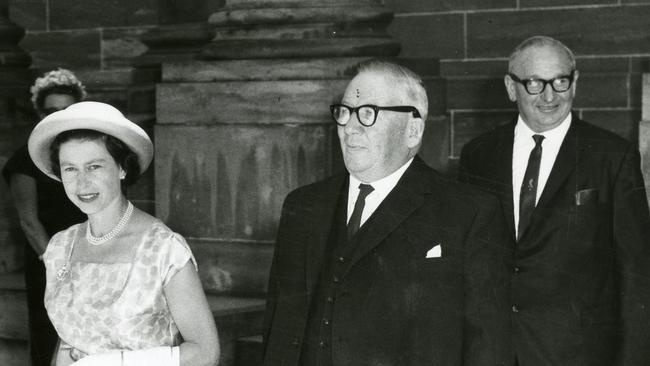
<point x="575" y="202"/>
<point x="389" y="263"/>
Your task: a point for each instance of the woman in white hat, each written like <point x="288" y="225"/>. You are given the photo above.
<point x="122" y="288"/>
<point x="43" y="208"/>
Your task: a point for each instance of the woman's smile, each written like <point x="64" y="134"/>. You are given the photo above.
<point x="87" y="198"/>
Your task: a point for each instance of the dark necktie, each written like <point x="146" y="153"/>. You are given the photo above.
<point x="529" y="186"/>
<point x="355" y="219"/>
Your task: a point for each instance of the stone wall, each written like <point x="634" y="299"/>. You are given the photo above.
<point x="83" y="34"/>
<point x="99" y="41"/>
<point x="473" y="38"/>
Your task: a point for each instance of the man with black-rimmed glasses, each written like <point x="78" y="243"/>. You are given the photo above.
<point x="575" y="202"/>
<point x="389" y="263"/>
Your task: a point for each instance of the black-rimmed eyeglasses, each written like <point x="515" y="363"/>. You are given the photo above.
<point x="367" y="113"/>
<point x="536" y="86"/>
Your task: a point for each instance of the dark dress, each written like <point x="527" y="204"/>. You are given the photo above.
<point x="55" y="212"/>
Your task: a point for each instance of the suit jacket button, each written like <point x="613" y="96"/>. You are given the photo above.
<point x="295" y="342"/>
<point x="516" y="270"/>
<point x="516" y="308"/>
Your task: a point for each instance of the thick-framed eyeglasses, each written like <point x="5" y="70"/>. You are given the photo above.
<point x="535" y="86"/>
<point x="367" y="113"/>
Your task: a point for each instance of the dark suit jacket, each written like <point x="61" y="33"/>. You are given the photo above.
<point x="395" y="306"/>
<point x="581" y="269"/>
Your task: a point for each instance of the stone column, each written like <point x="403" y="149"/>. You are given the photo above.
<point x="15" y="78"/>
<point x="15" y="123"/>
<point x="644" y="132"/>
<point x="249" y="121"/>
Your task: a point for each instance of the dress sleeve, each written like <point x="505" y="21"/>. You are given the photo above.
<point x="175" y="255"/>
<point x="56" y="246"/>
<point x="19" y="163"/>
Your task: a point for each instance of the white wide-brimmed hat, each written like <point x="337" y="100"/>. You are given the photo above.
<point x="96" y="116"/>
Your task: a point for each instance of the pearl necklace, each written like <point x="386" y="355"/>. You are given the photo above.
<point x="93" y="240"/>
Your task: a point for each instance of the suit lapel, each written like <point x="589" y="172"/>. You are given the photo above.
<point x="565" y="163"/>
<point x="321" y="219"/>
<point x="401" y="202"/>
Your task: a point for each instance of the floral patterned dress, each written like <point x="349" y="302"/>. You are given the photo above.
<point x="103" y="307"/>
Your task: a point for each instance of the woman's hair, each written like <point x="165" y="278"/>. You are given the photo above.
<point x="122" y="154"/>
<point x="59" y="81"/>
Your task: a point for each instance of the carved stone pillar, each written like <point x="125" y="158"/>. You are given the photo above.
<point x="289" y="29"/>
<point x="15" y="123"/>
<point x="10" y="34"/>
<point x="249" y="122"/>
<point x="644" y="132"/>
<point x="173" y="43"/>
<point x="15" y="78"/>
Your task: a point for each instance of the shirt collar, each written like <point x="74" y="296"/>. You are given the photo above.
<point x="384" y="184"/>
<point x="522" y="129"/>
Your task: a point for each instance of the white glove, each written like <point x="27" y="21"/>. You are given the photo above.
<point x="101" y="359"/>
<point x="159" y="356"/>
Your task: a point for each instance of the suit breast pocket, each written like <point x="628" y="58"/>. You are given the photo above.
<point x="590" y="209"/>
<point x="586" y="197"/>
<point x="589" y="221"/>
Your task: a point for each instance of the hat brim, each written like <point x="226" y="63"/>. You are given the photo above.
<point x="96" y="116"/>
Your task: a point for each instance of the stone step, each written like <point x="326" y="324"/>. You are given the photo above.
<point x="13" y="307"/>
<point x="14" y="348"/>
<point x="248" y="351"/>
<point x="235" y="317"/>
<point x="14" y="352"/>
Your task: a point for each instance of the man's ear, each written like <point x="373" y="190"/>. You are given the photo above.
<point x="510" y="88"/>
<point x="574" y="85"/>
<point x="414" y="132"/>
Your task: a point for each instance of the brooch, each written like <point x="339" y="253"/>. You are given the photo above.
<point x="62" y="273"/>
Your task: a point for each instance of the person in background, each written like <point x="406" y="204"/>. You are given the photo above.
<point x="388" y="263"/>
<point x="575" y="203"/>
<point x="43" y="208"/>
<point x="122" y="288"/>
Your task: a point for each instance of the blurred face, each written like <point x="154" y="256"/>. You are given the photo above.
<point x="56" y="102"/>
<point x="372" y="153"/>
<point x="544" y="111"/>
<point x="90" y="175"/>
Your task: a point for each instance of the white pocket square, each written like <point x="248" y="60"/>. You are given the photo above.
<point x="435" y="252"/>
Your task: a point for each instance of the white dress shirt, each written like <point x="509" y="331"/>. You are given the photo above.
<point x="382" y="188"/>
<point x="523" y="145"/>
